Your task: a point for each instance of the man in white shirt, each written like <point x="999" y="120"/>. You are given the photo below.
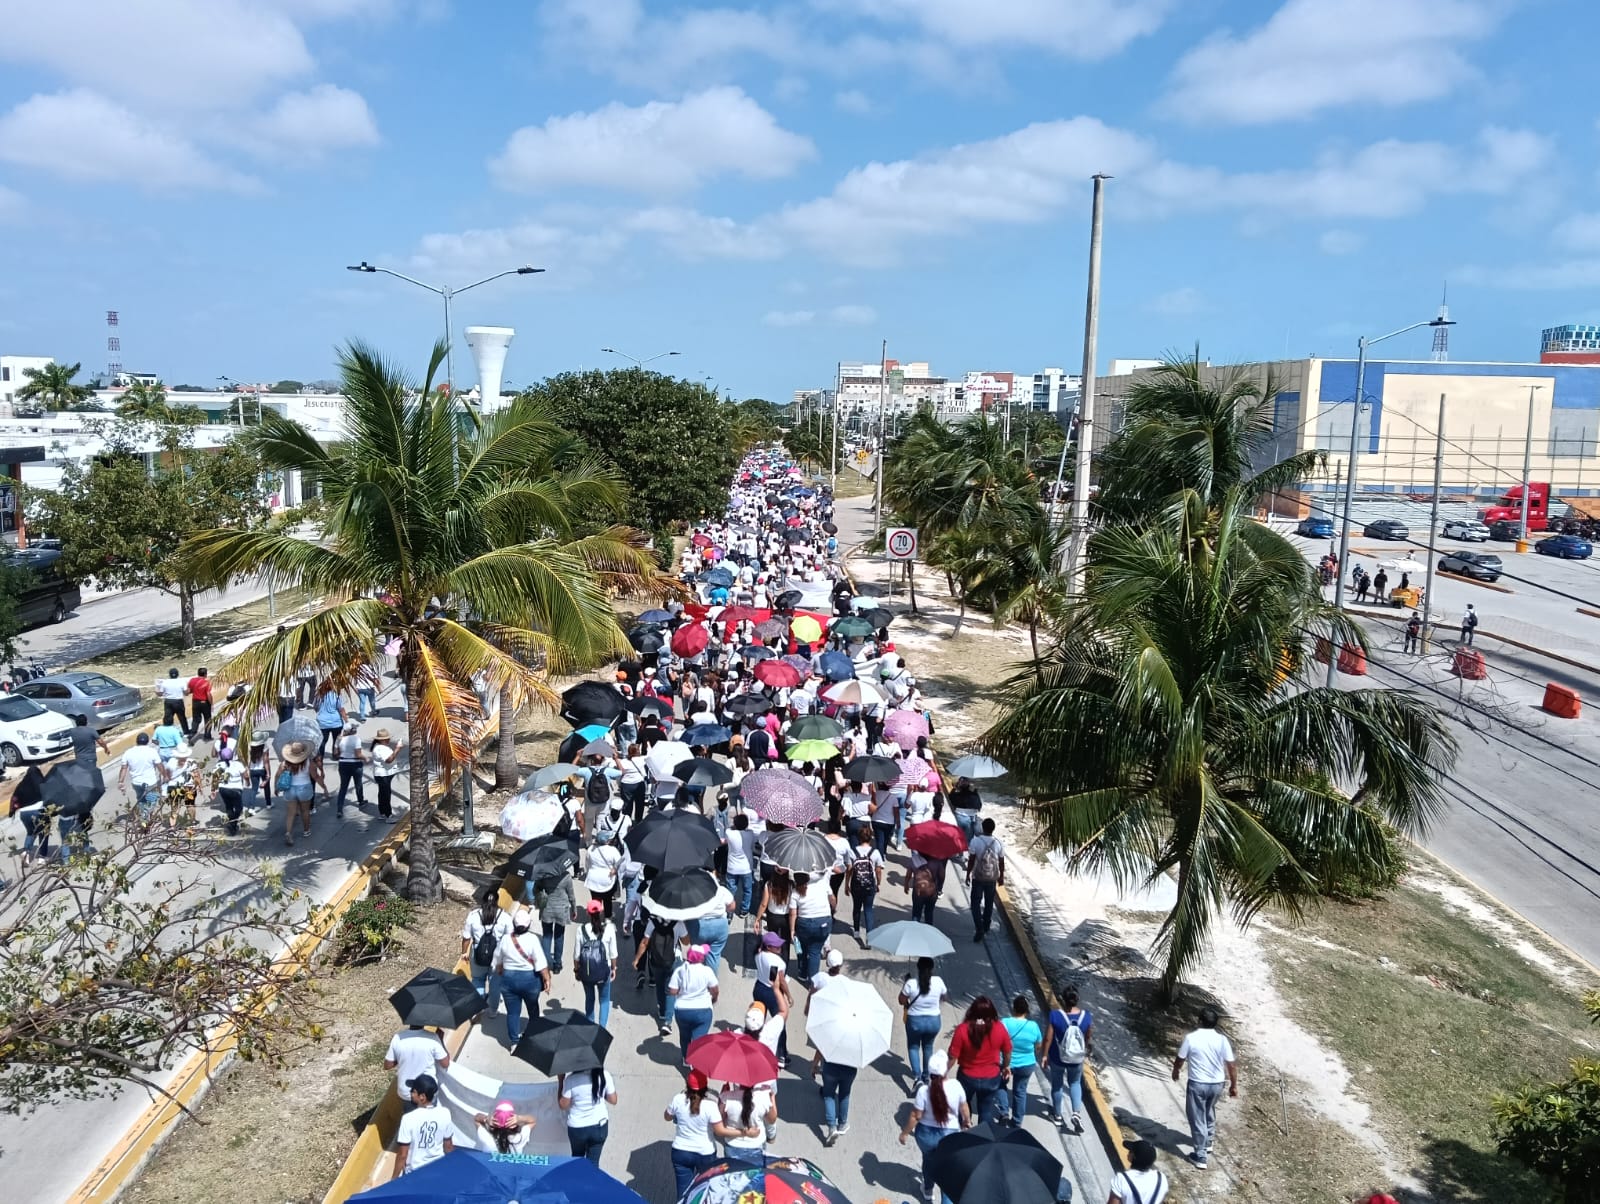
<point x="172" y="690"/>
<point x="143" y="772"/>
<point x="1211" y="1065"/>
<point x="426" y="1133"/>
<point x="414" y="1051"/>
<point x="1141" y="1183"/>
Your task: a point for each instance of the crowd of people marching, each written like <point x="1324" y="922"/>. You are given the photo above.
<point x="761" y="761"/>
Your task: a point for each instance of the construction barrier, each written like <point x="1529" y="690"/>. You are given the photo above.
<point x="1468" y="663"/>
<point x="1561" y="701"/>
<point x="1353" y="660"/>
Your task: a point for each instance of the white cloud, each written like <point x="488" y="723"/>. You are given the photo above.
<point x="692" y="235"/>
<point x="567" y="250"/>
<point x="853" y="315"/>
<point x="83" y="136"/>
<point x="1314" y="55"/>
<point x="1341" y="242"/>
<point x="658" y="148"/>
<point x="311" y="123"/>
<point x="1580" y="232"/>
<point x="1078" y="29"/>
<point x="786" y="318"/>
<point x="1180" y="303"/>
<point x="618" y="38"/>
<point x="852" y="100"/>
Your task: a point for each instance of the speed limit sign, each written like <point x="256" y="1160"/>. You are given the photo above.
<point x="901" y="543"/>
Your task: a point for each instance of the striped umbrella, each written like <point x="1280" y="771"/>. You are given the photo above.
<point x="905" y="728"/>
<point x="782" y="796"/>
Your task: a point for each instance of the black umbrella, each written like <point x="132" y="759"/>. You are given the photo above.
<point x="73" y="788"/>
<point x="591" y="702"/>
<point x="570" y="744"/>
<point x="671" y="840"/>
<point x="647" y="639"/>
<point x="29" y="790"/>
<point x="568" y="1046"/>
<point x="799" y="851"/>
<point x="681" y="894"/>
<point x="830" y="528"/>
<point x="542" y="857"/>
<point x="702" y="771"/>
<point x="788" y="600"/>
<point x="438" y="999"/>
<point x="997" y="1167"/>
<point x="746" y="705"/>
<point x="872" y="769"/>
<point x="646" y="706"/>
<point x="878" y="617"/>
<point x="757" y="652"/>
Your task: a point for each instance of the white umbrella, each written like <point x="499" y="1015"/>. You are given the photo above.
<point x="908" y="938"/>
<point x="531" y="814"/>
<point x="855" y="692"/>
<point x="665" y="756"/>
<point x="1406" y="564"/>
<point x="975" y="767"/>
<point x="849" y="1022"/>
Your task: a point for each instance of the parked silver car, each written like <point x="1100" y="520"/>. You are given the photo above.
<point x="1466" y="529"/>
<point x="103" y="699"/>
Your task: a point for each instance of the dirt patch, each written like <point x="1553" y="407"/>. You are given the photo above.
<point x="280" y="1137"/>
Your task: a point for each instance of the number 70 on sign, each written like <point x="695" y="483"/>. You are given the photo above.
<point x="900" y="543"/>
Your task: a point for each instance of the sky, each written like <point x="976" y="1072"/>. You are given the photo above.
<point x="769" y="188"/>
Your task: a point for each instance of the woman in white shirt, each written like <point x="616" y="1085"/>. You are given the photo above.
<point x="813" y="921"/>
<point x="749" y="1111"/>
<point x="385" y="756"/>
<point x="524" y="971"/>
<point x="605" y="859"/>
<point x="939" y="1110"/>
<point x="699" y="1124"/>
<point x="584" y="1097"/>
<point x="491" y="921"/>
<point x="922" y="997"/>
<point x="694" y="985"/>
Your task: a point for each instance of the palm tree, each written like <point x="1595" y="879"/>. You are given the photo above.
<point x="1172" y="726"/>
<point x="443" y="541"/>
<point x="54" y="386"/>
<point x="1016" y="571"/>
<point x="146" y="401"/>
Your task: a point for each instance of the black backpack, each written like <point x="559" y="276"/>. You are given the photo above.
<point x="663" y="947"/>
<point x="591" y="966"/>
<point x="483" y="951"/>
<point x="597" y="790"/>
<point x="863" y="876"/>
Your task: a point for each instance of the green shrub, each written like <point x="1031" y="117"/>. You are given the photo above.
<point x="1554" y="1130"/>
<point x="371" y="927"/>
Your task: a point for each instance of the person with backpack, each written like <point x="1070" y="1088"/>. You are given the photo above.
<point x="558" y="907"/>
<point x="658" y="953"/>
<point x="1066" y="1050"/>
<point x="1469" y="624"/>
<point x="863" y="879"/>
<point x="605" y="861"/>
<point x="597" y="790"/>
<point x="921" y="1007"/>
<point x="485" y="925"/>
<point x="1141" y="1183"/>
<point x="925" y="883"/>
<point x="986" y="873"/>
<point x="594" y="962"/>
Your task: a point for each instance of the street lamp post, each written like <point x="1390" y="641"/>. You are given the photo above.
<point x="1341" y="571"/>
<point x="637" y="362"/>
<point x="447" y="293"/>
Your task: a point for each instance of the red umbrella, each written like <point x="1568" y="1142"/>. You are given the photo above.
<point x="690" y="640"/>
<point x="776" y="673"/>
<point x="731" y="1057"/>
<point x="737" y="614"/>
<point x="701" y="540"/>
<point x="796" y="521"/>
<point x="935" y="838"/>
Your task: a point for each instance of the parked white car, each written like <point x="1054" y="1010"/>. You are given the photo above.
<point x="1467" y="529"/>
<point x="28" y="732"/>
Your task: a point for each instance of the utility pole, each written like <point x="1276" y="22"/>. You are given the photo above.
<point x="883" y="401"/>
<point x="1433" y="524"/>
<point x="1527" y="470"/>
<point x="1091" y="335"/>
<point x="833" y="472"/>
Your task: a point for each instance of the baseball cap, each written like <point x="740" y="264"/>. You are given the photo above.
<point x="595" y="907"/>
<point x="938" y="1063"/>
<point x="756" y="1017"/>
<point x="425" y="1083"/>
<point x="504" y="1114"/>
<point x="835" y="958"/>
<point x="772" y="941"/>
<point x="696" y="954"/>
<point x="697" y="1080"/>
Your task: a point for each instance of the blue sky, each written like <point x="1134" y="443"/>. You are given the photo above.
<point x="769" y="188"/>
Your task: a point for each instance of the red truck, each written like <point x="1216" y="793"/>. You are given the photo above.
<point x="1509" y="508"/>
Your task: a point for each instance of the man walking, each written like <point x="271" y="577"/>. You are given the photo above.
<point x="1378" y="584"/>
<point x="200" y="691"/>
<point x="172" y="691"/>
<point x="986" y="873"/>
<point x="1209" y="1055"/>
<point x="1413" y="632"/>
<point x="1469" y="624"/>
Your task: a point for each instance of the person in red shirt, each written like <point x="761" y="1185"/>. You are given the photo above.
<point x="981" y="1051"/>
<point x="200" y="693"/>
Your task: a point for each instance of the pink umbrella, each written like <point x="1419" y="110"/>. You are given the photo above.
<point x="391" y="646"/>
<point x="905" y="727"/>
<point x="914" y="773"/>
<point x="782" y="796"/>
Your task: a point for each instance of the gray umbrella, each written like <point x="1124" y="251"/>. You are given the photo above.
<point x="298" y="727"/>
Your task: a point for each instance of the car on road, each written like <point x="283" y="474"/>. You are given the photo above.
<point x="104" y="700"/>
<point x="1316" y="528"/>
<point x="1468" y="529"/>
<point x="1568" y="547"/>
<point x="1480" y="566"/>
<point x="1386" y="528"/>
<point x="28" y="732"/>
<point x="1505" y="530"/>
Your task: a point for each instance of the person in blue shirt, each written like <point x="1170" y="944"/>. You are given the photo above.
<point x="331" y="719"/>
<point x="1027" y="1042"/>
<point x="167" y="736"/>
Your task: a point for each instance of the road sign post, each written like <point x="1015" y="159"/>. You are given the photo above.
<point x="900" y="545"/>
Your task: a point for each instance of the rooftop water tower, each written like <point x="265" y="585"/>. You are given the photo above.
<point x="489" y="345"/>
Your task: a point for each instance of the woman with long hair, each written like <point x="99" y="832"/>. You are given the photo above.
<point x="586" y="1101"/>
<point x="813" y="922"/>
<point x="777" y="906"/>
<point x="981" y="1050"/>
<point x="940" y="1109"/>
<point x="480" y="936"/>
<point x="920" y="1001"/>
<point x="594" y="962"/>
<point x="699" y="1124"/>
<point x="507" y="1131"/>
<point x="750" y="1111"/>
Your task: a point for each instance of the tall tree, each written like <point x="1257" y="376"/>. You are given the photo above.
<point x="146" y="402"/>
<point x="437" y="541"/>
<point x="122" y="515"/>
<point x="54" y="386"/>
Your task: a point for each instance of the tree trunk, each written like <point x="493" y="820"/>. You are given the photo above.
<point x="186" y="614"/>
<point x="1033" y="635"/>
<point x="506" y="772"/>
<point x="911" y="581"/>
<point x="961" y="614"/>
<point x="423" y="884"/>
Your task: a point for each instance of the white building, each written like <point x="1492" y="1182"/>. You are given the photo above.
<point x="14" y="374"/>
<point x="1054" y="391"/>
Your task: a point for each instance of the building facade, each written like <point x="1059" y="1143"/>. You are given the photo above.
<point x="1569" y="345"/>
<point x="14" y="371"/>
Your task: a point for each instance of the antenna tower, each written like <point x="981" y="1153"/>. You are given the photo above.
<point x="1441" y="332"/>
<point x="113" y="349"/>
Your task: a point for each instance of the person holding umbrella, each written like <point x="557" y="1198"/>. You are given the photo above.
<point x="558" y="906"/>
<point x="921" y="1000"/>
<point x="586" y="1100"/>
<point x="524" y="971"/>
<point x="940" y="1109"/>
<point x="813" y="912"/>
<point x="414" y="1051"/>
<point x="750" y="1111"/>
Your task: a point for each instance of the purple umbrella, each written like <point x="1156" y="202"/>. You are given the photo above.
<point x="905" y="727"/>
<point x="800" y="664"/>
<point x="914" y="773"/>
<point x="782" y="796"/>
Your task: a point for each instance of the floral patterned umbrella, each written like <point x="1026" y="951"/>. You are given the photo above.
<point x="529" y="814"/>
<point x="905" y="727"/>
<point x="780" y="1181"/>
<point x="782" y="796"/>
<point x="914" y="773"/>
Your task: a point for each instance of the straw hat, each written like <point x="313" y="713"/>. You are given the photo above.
<point x="296" y="752"/>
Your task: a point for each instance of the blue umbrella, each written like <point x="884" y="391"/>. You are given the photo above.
<point x="836" y="666"/>
<point x="593" y="731"/>
<point x="656" y="616"/>
<point x="720" y="577"/>
<point x="707" y="733"/>
<point x="476" y="1177"/>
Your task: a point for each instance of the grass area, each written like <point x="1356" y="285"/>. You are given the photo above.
<point x="852" y="484"/>
<point x="141" y="663"/>
<point x="1432" y="1016"/>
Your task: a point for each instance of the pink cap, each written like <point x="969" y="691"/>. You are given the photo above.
<point x="504" y="1114"/>
<point x="696" y="954"/>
